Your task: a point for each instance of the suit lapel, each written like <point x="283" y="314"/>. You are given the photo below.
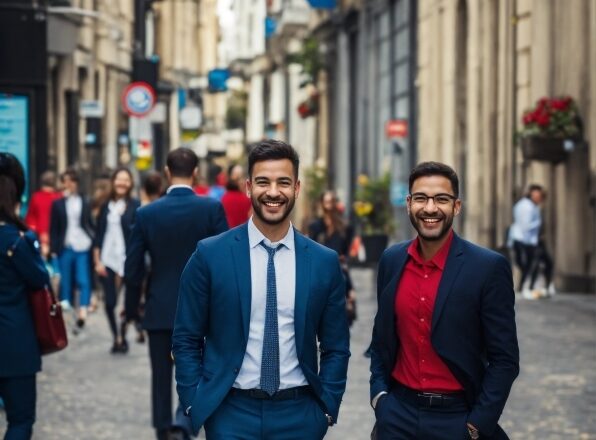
<point x="387" y="300"/>
<point x="452" y="267"/>
<point x="241" y="254"/>
<point x="302" y="288"/>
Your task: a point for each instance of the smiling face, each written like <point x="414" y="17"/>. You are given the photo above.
<point x="432" y="218"/>
<point x="273" y="190"/>
<point x="122" y="184"/>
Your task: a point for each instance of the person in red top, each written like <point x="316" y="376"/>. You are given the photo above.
<point x="236" y="203"/>
<point x="38" y="214"/>
<point x="444" y="350"/>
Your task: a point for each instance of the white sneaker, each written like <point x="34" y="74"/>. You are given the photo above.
<point x="65" y="305"/>
<point x="551" y="291"/>
<point x="527" y="294"/>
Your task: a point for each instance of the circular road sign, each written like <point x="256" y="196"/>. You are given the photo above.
<point x="138" y="99"/>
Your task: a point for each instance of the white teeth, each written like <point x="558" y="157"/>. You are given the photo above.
<point x="430" y="220"/>
<point x="273" y="205"/>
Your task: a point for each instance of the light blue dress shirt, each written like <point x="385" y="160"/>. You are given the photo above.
<point x="527" y="221"/>
<point x="285" y="276"/>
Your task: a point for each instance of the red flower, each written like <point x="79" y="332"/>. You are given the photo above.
<point x="528" y="118"/>
<point x="543" y="103"/>
<point x="542" y="119"/>
<point x="560" y="104"/>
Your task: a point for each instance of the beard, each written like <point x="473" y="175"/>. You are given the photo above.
<point x="435" y="234"/>
<point x="258" y="207"/>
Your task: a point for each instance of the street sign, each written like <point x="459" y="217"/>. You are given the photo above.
<point x="138" y="99"/>
<point x="91" y="109"/>
<point x="396" y="128"/>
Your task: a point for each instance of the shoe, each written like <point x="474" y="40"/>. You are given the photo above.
<point x="528" y="294"/>
<point x="65" y="304"/>
<point x="80" y="323"/>
<point x="115" y="348"/>
<point x="551" y="290"/>
<point x="141" y="337"/>
<point x="124" y="347"/>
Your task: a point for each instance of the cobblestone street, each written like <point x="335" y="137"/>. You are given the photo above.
<point x="86" y="393"/>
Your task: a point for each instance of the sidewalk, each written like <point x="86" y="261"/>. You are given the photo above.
<point x="84" y="393"/>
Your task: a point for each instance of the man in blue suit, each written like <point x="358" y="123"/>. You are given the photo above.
<point x="168" y="230"/>
<point x="444" y="349"/>
<point x="266" y="301"/>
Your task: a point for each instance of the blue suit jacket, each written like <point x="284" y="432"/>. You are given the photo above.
<point x="21" y="271"/>
<point x="473" y="328"/>
<point x="169" y="229"/>
<point x="214" y="305"/>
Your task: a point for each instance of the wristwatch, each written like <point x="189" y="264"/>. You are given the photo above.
<point x="329" y="419"/>
<point x="474" y="434"/>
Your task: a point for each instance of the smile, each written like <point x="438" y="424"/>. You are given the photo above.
<point x="273" y="204"/>
<point x="431" y="220"/>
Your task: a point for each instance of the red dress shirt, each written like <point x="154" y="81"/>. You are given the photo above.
<point x="418" y="365"/>
<point x="236" y="206"/>
<point x="38" y="214"/>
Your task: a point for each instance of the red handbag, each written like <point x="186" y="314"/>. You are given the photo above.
<point x="48" y="321"/>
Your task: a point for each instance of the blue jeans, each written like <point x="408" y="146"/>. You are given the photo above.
<point x="74" y="266"/>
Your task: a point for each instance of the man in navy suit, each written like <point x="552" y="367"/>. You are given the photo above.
<point x="168" y="229"/>
<point x="269" y="305"/>
<point x="444" y="349"/>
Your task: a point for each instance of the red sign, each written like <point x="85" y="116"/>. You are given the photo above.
<point x="138" y="99"/>
<point x="396" y="128"/>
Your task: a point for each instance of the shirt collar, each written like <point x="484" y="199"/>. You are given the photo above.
<point x="255" y="237"/>
<point x="172" y="187"/>
<point x="439" y="259"/>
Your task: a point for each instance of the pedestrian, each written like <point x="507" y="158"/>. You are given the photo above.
<point x="71" y="238"/>
<point x="22" y="270"/>
<point x="524" y="235"/>
<point x="152" y="188"/>
<point x="269" y="305"/>
<point x="444" y="346"/>
<point x="114" y="224"/>
<point x="235" y="202"/>
<point x="168" y="229"/>
<point x="40" y="205"/>
<point x="331" y="230"/>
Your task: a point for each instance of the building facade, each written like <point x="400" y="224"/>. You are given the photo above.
<point x="481" y="64"/>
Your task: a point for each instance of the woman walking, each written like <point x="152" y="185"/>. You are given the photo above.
<point x="21" y="270"/>
<point x="114" y="224"/>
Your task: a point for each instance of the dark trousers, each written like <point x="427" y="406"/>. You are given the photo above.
<point x="160" y="347"/>
<point x="400" y="419"/>
<point x="544" y="260"/>
<point x="19" y="395"/>
<point x="111" y="298"/>
<point x="524" y="257"/>
<point x="241" y="417"/>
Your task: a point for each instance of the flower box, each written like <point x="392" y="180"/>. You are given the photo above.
<point x="545" y="149"/>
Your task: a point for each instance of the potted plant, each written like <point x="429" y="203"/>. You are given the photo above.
<point x="373" y="209"/>
<point x="550" y="130"/>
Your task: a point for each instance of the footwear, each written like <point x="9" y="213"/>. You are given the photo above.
<point x="124" y="347"/>
<point x="115" y="348"/>
<point x="65" y="304"/>
<point x="528" y="294"/>
<point x="551" y="290"/>
<point x="80" y="323"/>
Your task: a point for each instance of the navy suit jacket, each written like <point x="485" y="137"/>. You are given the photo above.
<point x="168" y="229"/>
<point x="473" y="328"/>
<point x="59" y="222"/>
<point x="21" y="271"/>
<point x="214" y="306"/>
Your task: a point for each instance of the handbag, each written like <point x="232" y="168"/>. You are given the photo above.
<point x="45" y="310"/>
<point x="48" y="321"/>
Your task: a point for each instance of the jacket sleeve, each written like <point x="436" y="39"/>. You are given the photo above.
<point x="219" y="221"/>
<point x="378" y="375"/>
<point x="28" y="261"/>
<point x="190" y="325"/>
<point x="134" y="267"/>
<point x="54" y="228"/>
<point x="32" y="217"/>
<point x="502" y="352"/>
<point x="334" y="344"/>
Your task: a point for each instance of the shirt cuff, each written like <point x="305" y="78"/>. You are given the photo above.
<point x="375" y="399"/>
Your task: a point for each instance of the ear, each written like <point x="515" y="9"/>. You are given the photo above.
<point x="457" y="207"/>
<point x="248" y="187"/>
<point x="408" y="202"/>
<point x="297" y="188"/>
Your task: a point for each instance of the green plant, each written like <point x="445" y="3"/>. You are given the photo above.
<point x="372" y="204"/>
<point x="316" y="183"/>
<point x="309" y="57"/>
<point x="236" y="111"/>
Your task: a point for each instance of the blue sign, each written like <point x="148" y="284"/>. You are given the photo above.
<point x="217" y="80"/>
<point x="14" y="128"/>
<point x="138" y="99"/>
<point x="322" y="4"/>
<point x="399" y="192"/>
<point x="270" y="27"/>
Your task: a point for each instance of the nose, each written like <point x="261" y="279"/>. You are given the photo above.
<point x="273" y="190"/>
<point x="430" y="205"/>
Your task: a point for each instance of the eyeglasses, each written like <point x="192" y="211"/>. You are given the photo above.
<point x="438" y="199"/>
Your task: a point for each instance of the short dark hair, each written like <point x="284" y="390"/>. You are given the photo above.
<point x="271" y="149"/>
<point x="535" y="187"/>
<point x="425" y="169"/>
<point x="71" y="173"/>
<point x="12" y="186"/>
<point x="152" y="184"/>
<point x="182" y="162"/>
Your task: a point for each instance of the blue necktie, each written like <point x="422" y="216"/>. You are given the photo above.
<point x="270" y="357"/>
